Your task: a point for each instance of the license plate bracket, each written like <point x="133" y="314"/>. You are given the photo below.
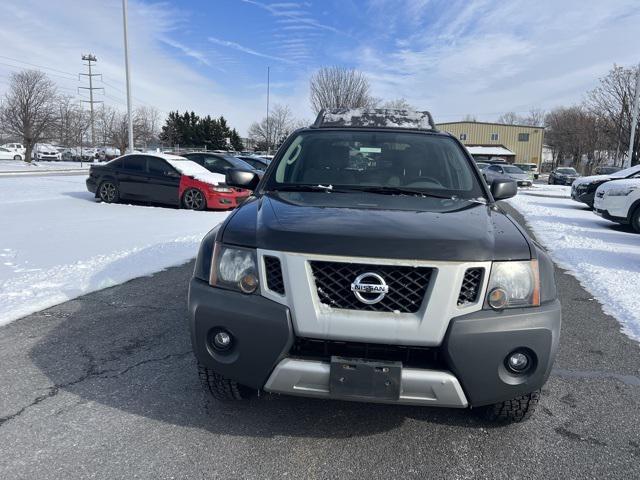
<point x="356" y="377"/>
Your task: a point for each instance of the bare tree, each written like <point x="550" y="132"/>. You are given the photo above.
<point x="272" y="133"/>
<point x="397" y="104"/>
<point x="340" y="87"/>
<point x="611" y="101"/>
<point x="535" y="118"/>
<point x="146" y="122"/>
<point x="509" y="118"/>
<point x="72" y="122"/>
<point x="29" y="107"/>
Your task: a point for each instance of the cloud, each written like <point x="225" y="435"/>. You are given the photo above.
<point x="281" y="10"/>
<point x="249" y="51"/>
<point x="189" y="52"/>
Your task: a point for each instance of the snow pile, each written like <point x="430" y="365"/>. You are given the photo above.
<point x="192" y="169"/>
<point x="57" y="243"/>
<point x="602" y="255"/>
<point x="19" y="166"/>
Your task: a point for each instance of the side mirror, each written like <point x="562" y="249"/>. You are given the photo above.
<point x="503" y="189"/>
<point x="242" y="179"/>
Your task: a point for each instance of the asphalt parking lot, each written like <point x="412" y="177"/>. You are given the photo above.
<point x="105" y="386"/>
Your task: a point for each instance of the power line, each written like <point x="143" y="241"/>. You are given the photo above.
<point x="90" y="58"/>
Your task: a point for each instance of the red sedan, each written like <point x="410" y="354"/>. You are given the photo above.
<point x="162" y="178"/>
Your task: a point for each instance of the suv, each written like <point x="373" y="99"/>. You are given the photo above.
<point x="372" y="263"/>
<point x="619" y="201"/>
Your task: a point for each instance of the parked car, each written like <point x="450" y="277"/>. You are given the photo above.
<point x="45" y="151"/>
<point x="403" y="282"/>
<point x="584" y="189"/>
<point x="619" y="202"/>
<point x="162" y="178"/>
<point x="495" y="171"/>
<point x="563" y="176"/>
<point x="258" y="163"/>
<point x="606" y="170"/>
<point x="218" y="162"/>
<point x="530" y="168"/>
<point x="89" y="153"/>
<point x="482" y="165"/>
<point x="107" y="153"/>
<point x="17" y="149"/>
<point x="6" y="154"/>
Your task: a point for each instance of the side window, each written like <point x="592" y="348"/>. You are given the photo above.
<point x="495" y="137"/>
<point x="218" y="164"/>
<point x="135" y="163"/>
<point x="463" y="136"/>
<point x="117" y="163"/>
<point x="157" y="166"/>
<point x="523" y="137"/>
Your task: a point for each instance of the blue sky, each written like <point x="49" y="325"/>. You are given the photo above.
<point x="480" y="57"/>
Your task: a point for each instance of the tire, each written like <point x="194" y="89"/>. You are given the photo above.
<point x="194" y="199"/>
<point x="635" y="220"/>
<point x="222" y="388"/>
<point x="515" y="410"/>
<point x="108" y="192"/>
<point x="17" y="157"/>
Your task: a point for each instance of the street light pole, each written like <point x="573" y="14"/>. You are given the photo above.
<point x="126" y="66"/>
<point x="634" y="118"/>
<point x="268" y="143"/>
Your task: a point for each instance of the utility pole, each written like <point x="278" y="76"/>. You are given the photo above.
<point x="89" y="57"/>
<point x="634" y="118"/>
<point x="126" y="66"/>
<point x="268" y="143"/>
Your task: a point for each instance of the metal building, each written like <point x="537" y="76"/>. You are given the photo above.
<point x="524" y="141"/>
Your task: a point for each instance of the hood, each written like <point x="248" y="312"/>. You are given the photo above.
<point x="592" y="179"/>
<point x="377" y="226"/>
<point x="619" y="184"/>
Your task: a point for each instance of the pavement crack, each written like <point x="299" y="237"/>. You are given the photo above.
<point x="148" y="360"/>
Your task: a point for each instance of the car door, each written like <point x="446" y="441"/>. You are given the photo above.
<point x="132" y="177"/>
<point x="164" y="181"/>
<point x="6" y="154"/>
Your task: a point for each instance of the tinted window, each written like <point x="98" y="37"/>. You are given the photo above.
<point x="216" y="162"/>
<point x="157" y="166"/>
<point x="117" y="163"/>
<point x="495" y="168"/>
<point x="379" y="159"/>
<point x="136" y="163"/>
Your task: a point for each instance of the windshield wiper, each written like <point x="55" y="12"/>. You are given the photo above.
<point x="404" y="191"/>
<point x="303" y="187"/>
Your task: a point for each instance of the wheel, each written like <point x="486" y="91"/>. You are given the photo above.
<point x="108" y="192"/>
<point x="193" y="199"/>
<point x="515" y="410"/>
<point x="17" y="157"/>
<point x="222" y="388"/>
<point x="635" y="220"/>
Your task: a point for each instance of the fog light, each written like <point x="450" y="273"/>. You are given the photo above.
<point x="248" y="282"/>
<point x="518" y="362"/>
<point x="222" y="340"/>
<point x="497" y="298"/>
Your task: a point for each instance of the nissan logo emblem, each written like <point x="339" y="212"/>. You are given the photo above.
<point x="369" y="288"/>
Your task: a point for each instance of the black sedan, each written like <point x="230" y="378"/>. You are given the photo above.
<point x="219" y="162"/>
<point x="563" y="176"/>
<point x="256" y="162"/>
<point x="584" y="190"/>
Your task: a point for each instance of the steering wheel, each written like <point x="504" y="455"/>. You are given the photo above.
<point x="425" y="179"/>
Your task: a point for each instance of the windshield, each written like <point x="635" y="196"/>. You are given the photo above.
<point x="391" y="161"/>
<point x="512" y="169"/>
<point x="567" y="171"/>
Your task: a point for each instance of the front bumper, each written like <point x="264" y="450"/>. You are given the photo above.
<point x="91" y="185"/>
<point x="219" y="200"/>
<point x="473" y="351"/>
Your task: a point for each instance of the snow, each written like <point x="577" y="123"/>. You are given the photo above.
<point x="497" y="151"/>
<point x="9" y="167"/>
<point x="192" y="169"/>
<point x="58" y="243"/>
<point x="376" y="117"/>
<point x="603" y="256"/>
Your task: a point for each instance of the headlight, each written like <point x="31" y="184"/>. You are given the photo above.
<point x="234" y="268"/>
<point x="215" y="188"/>
<point x="513" y="284"/>
<point x="620" y="191"/>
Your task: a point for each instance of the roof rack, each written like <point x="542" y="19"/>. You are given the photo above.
<point x="374" y="118"/>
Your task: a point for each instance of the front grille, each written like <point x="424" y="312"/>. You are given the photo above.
<point x="407" y="286"/>
<point x="273" y="271"/>
<point x="323" y="350"/>
<point x="471" y="284"/>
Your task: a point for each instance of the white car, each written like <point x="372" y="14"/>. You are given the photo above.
<point x="619" y="201"/>
<point x="44" y="151"/>
<point x="17" y="149"/>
